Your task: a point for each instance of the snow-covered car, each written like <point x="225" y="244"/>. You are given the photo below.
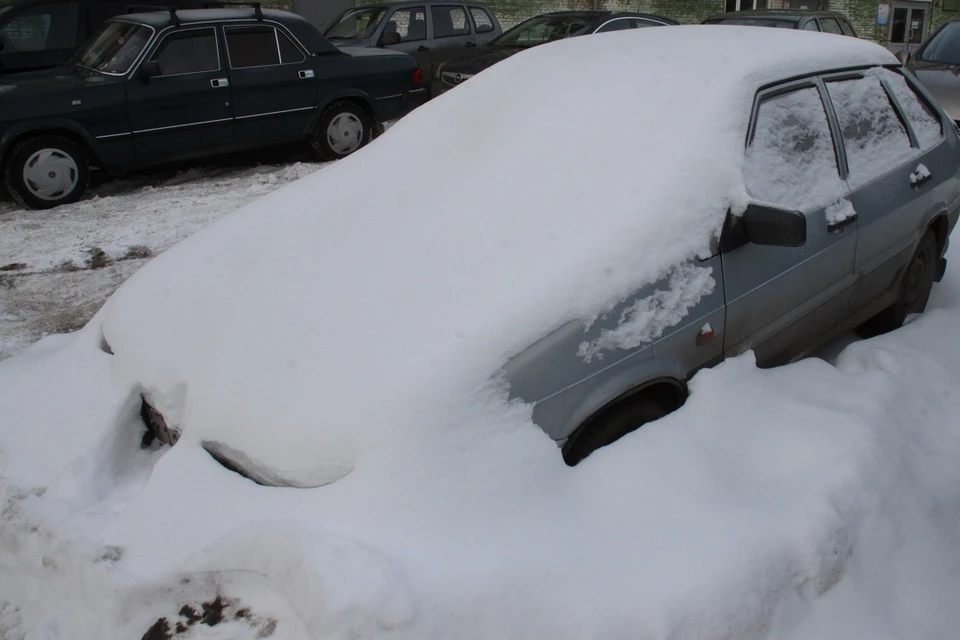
<point x="728" y="203"/>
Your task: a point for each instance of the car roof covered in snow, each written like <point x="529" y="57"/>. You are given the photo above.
<point x="397" y="281"/>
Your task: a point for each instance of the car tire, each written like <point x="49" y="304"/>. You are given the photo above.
<point x="343" y="128"/>
<point x="612" y="425"/>
<point x="914" y="289"/>
<point x="46" y="172"/>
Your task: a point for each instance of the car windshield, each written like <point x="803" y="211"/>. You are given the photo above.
<point x="356" y="23"/>
<point x="116" y="48"/>
<point x="539" y="30"/>
<point x="943" y="47"/>
<point x="755" y="22"/>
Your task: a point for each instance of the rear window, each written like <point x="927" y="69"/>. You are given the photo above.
<point x="449" y="20"/>
<point x="481" y="19"/>
<point x="873" y="135"/>
<point x="260" y="47"/>
<point x="754" y="22"/>
<point x="847" y="29"/>
<point x="923" y="119"/>
<point x="830" y="25"/>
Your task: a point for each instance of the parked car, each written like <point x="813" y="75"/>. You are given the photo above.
<point x="535" y="31"/>
<point x="937" y="65"/>
<point x="826" y="21"/>
<point x="157" y="87"/>
<point x="41" y="34"/>
<point x="431" y="31"/>
<point x="815" y="192"/>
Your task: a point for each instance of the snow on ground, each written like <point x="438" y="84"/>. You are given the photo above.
<point x="62" y="264"/>
<point x="804" y="502"/>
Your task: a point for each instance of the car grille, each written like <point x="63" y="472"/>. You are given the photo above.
<point x="452" y="79"/>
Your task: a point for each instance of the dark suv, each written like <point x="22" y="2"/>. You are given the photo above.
<point x="431" y="31"/>
<point x="40" y="34"/>
<point x="827" y="21"/>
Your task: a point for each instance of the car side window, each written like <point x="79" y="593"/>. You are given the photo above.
<point x="41" y="27"/>
<point x="190" y="51"/>
<point x="830" y="25"/>
<point x="847" y="29"/>
<point x="255" y="46"/>
<point x="924" y="121"/>
<point x="615" y="25"/>
<point x="811" y="25"/>
<point x="410" y="24"/>
<point x="873" y="136"/>
<point x="481" y="20"/>
<point x="639" y="24"/>
<point x="791" y="159"/>
<point x="449" y="21"/>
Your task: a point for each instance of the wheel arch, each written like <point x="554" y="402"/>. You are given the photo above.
<point x="362" y="100"/>
<point x="669" y="391"/>
<point x="70" y="131"/>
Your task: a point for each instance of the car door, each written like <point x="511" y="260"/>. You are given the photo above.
<point x="410" y="25"/>
<point x="38" y="36"/>
<point x="783" y="301"/>
<point x="274" y="84"/>
<point x="186" y="109"/>
<point x="883" y="147"/>
<point x="452" y="34"/>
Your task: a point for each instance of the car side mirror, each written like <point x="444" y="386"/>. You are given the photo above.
<point x="903" y="56"/>
<point x="774" y="227"/>
<point x="389" y="39"/>
<point x="149" y="69"/>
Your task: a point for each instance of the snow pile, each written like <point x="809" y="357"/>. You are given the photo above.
<point x="839" y="211"/>
<point x="291" y="306"/>
<point x="919" y="174"/>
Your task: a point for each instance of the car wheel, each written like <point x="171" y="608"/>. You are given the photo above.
<point x="342" y="129"/>
<point x="45" y="172"/>
<point x="915" y="287"/>
<point x="612" y="425"/>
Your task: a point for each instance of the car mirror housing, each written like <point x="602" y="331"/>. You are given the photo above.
<point x="149" y="69"/>
<point x="903" y="56"/>
<point x="771" y="226"/>
<point x="389" y="39"/>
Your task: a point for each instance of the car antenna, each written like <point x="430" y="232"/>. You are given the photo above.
<point x="174" y="18"/>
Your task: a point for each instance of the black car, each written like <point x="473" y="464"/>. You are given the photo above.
<point x="41" y="34"/>
<point x="536" y="31"/>
<point x="827" y="21"/>
<point x="432" y="31"/>
<point x="156" y="87"/>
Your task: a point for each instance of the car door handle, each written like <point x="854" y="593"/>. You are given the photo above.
<point x="423" y="48"/>
<point x="470" y="45"/>
<point x="306" y="74"/>
<point x="836" y="227"/>
<point x="921" y="175"/>
<point x="218" y="83"/>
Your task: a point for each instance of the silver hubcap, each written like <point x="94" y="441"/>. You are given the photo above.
<point x="345" y="133"/>
<point x="51" y="174"/>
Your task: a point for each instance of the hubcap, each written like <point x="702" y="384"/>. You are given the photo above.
<point x="50" y="174"/>
<point x="345" y="133"/>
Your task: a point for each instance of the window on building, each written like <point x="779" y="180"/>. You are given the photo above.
<point x="744" y="5"/>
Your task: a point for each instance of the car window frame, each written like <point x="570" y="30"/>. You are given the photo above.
<point x="789" y="86"/>
<point x="427" y="19"/>
<point x="823" y="20"/>
<point x="807" y="23"/>
<point x="432" y="29"/>
<point x="159" y="40"/>
<point x="276" y="34"/>
<point x="647" y="22"/>
<point x="473" y="20"/>
<point x="918" y="90"/>
<point x="844" y="22"/>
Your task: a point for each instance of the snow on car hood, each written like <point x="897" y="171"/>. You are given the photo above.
<point x="377" y="298"/>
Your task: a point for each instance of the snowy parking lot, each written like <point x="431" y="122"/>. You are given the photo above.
<point x="57" y="267"/>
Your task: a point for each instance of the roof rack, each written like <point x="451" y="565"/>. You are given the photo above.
<point x="256" y="6"/>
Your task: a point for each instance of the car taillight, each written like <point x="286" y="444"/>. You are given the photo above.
<point x="418" y="76"/>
